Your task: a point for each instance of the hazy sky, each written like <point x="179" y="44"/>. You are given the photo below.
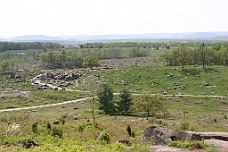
<point x="98" y="17"/>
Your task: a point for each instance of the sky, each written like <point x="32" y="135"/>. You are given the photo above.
<point x="101" y="17"/>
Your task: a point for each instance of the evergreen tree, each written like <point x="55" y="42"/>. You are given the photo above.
<point x="125" y="102"/>
<point x="105" y="95"/>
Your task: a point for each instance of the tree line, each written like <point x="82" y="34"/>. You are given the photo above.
<point x="155" y="45"/>
<point x="200" y="55"/>
<point x="72" y="59"/>
<point x="4" y="46"/>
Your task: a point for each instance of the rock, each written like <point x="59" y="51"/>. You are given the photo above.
<point x="90" y="147"/>
<point x="206" y="84"/>
<point x="209" y="135"/>
<point x="55" y="122"/>
<point x="164" y="92"/>
<point x="75" y="108"/>
<point x="125" y="141"/>
<point x="27" y="144"/>
<point x="190" y="135"/>
<point x="183" y="136"/>
<point x="161" y="148"/>
<point x="158" y="134"/>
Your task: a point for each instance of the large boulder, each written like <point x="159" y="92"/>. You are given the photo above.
<point x="158" y="134"/>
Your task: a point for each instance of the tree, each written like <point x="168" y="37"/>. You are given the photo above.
<point x="105" y="95"/>
<point x="149" y="104"/>
<point x="203" y="55"/>
<point x="91" y="61"/>
<point x="224" y="55"/>
<point x="125" y="102"/>
<point x="183" y="56"/>
<point x="91" y="85"/>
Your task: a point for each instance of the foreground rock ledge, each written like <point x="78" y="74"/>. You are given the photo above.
<point x="190" y="135"/>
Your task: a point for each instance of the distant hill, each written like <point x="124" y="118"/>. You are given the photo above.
<point x="34" y="38"/>
<point x="209" y="36"/>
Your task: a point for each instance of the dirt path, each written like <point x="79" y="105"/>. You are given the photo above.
<point x="47" y="105"/>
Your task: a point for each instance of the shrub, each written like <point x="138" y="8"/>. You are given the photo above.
<point x="188" y="144"/>
<point x="129" y="130"/>
<point x="48" y="127"/>
<point x="183" y="125"/>
<point x="34" y="128"/>
<point x="57" y="132"/>
<point x="104" y="137"/>
<point x="133" y="134"/>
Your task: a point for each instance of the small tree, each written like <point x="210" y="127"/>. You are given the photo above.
<point x="91" y="61"/>
<point x="149" y="104"/>
<point x="105" y="95"/>
<point x="91" y="85"/>
<point x="125" y="102"/>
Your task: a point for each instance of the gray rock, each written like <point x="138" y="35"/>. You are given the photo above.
<point x="158" y="134"/>
<point x="183" y="136"/>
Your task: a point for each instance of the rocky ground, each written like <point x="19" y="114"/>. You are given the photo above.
<point x="221" y="145"/>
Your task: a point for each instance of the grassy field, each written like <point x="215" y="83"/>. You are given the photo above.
<point x="27" y="56"/>
<point x="202" y="114"/>
<point x="157" y="79"/>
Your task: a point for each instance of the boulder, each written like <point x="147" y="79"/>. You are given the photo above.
<point x="158" y="134"/>
<point x="183" y="136"/>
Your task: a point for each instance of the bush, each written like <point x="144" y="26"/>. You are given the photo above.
<point x="34" y="128"/>
<point x="48" y="127"/>
<point x="105" y="137"/>
<point x="183" y="125"/>
<point x="57" y="132"/>
<point x="129" y="130"/>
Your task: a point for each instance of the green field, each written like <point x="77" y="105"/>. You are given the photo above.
<point x="156" y="79"/>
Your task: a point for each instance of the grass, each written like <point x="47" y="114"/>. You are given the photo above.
<point x="41" y="98"/>
<point x="12" y="54"/>
<point x="156" y="79"/>
<point x="185" y="108"/>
